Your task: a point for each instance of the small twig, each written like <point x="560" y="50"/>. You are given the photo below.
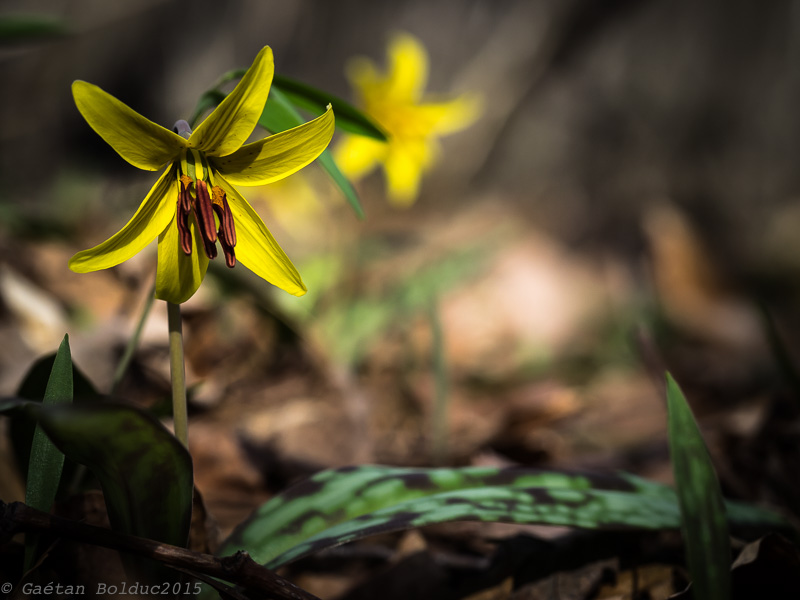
<point x="239" y="569"/>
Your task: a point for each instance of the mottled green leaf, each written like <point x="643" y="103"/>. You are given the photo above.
<point x="703" y="522"/>
<point x="47" y="461"/>
<point x="348" y="117"/>
<point x="145" y="473"/>
<point x="279" y="115"/>
<point x="342" y="505"/>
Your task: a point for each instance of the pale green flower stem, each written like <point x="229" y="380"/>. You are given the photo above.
<point x="178" y="373"/>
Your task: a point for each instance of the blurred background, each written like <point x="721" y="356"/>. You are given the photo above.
<point x="627" y="202"/>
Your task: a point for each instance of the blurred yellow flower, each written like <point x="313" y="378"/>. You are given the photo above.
<point x="194" y="203"/>
<point x="395" y="101"/>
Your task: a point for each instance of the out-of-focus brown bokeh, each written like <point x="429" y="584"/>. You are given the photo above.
<point x="626" y="203"/>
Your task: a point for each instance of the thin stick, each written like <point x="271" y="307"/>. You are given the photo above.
<point x="178" y="373"/>
<point x="133" y="342"/>
<point x="239" y="568"/>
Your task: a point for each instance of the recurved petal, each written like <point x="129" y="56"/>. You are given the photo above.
<point x="149" y="221"/>
<point x="279" y="155"/>
<point x="365" y="78"/>
<point x="408" y="68"/>
<point x="178" y="276"/>
<point x="138" y="140"/>
<point x="256" y="249"/>
<point x="451" y="116"/>
<point x="232" y="122"/>
<point x="356" y="155"/>
<point x="404" y="167"/>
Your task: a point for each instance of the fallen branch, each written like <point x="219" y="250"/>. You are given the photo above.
<point x="238" y="569"/>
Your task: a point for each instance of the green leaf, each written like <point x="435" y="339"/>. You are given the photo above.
<point x="703" y="522"/>
<point x="34" y="387"/>
<point x="18" y="28"/>
<point x="46" y="461"/>
<point x="348" y="118"/>
<point x="145" y="473"/>
<point x="207" y="101"/>
<point x="279" y="115"/>
<point x="342" y="505"/>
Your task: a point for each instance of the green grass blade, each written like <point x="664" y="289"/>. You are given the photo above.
<point x="703" y="521"/>
<point x="279" y="115"/>
<point x="342" y="505"/>
<point x="348" y="118"/>
<point x="46" y="461"/>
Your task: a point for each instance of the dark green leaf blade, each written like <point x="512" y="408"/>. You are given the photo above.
<point x="20" y="28"/>
<point x="338" y="506"/>
<point x="279" y="115"/>
<point x="207" y="101"/>
<point x="33" y="387"/>
<point x="348" y="117"/>
<point x="703" y="520"/>
<point x="145" y="473"/>
<point x="47" y="461"/>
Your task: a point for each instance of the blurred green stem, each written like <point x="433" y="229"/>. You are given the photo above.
<point x="133" y="342"/>
<point x="178" y="373"/>
<point x="440" y="401"/>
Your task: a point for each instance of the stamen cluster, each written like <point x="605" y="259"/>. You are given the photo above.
<point x="204" y="206"/>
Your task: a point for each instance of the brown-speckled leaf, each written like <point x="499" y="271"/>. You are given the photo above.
<point x="145" y="473"/>
<point x="338" y="506"/>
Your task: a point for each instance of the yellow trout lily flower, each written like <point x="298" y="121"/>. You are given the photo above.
<point x="194" y="203"/>
<point x="395" y="101"/>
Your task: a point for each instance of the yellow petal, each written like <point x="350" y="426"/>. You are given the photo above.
<point x="149" y="221"/>
<point x="364" y="77"/>
<point x="357" y="155"/>
<point x="232" y="122"/>
<point x="408" y="68"/>
<point x="448" y="117"/>
<point x="178" y="276"/>
<point x="404" y="167"/>
<point x="138" y="140"/>
<point x="279" y="155"/>
<point x="256" y="249"/>
<point x="405" y="77"/>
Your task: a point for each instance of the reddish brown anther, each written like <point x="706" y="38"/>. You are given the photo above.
<point x="204" y="206"/>
<point x="182" y="218"/>
<point x="227" y="229"/>
<point x="204" y="214"/>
